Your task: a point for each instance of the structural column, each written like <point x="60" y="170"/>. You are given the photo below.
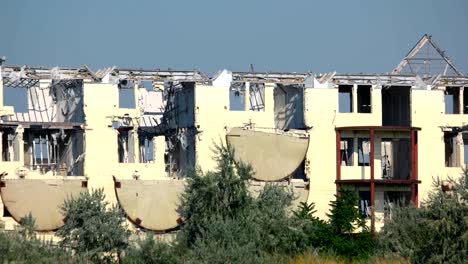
<point x="338" y="159"/>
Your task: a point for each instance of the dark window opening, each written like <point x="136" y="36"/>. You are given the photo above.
<point x="395" y="198"/>
<point x="465" y="148"/>
<point x="452" y="100"/>
<point x="451" y="150"/>
<point x="347" y="150"/>
<point x="364" y="203"/>
<point x="299" y="173"/>
<point x="9" y="145"/>
<point x="395" y="158"/>
<point x="364" y="98"/>
<point x="146" y="148"/>
<point x="345" y="98"/>
<point x="465" y="102"/>
<point x="125" y="146"/>
<point x="179" y="156"/>
<point x="6" y="213"/>
<point x="257" y="97"/>
<point x="396" y="106"/>
<point x="363" y="151"/>
<point x="237" y="97"/>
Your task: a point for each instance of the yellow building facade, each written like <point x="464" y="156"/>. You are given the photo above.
<point x="137" y="133"/>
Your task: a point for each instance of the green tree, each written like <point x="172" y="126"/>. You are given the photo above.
<point x="92" y="228"/>
<point x="346" y="220"/>
<point x="344" y="213"/>
<point x="223" y="223"/>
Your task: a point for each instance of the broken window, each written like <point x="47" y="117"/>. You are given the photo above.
<point x="345" y="98"/>
<point x="59" y="150"/>
<point x="364" y="203"/>
<point x="451" y="150"/>
<point x="452" y="100"/>
<point x="288" y="104"/>
<point x="146" y="148"/>
<point x="364" y="98"/>
<point x="347" y="149"/>
<point x="237" y="97"/>
<point x="126" y="94"/>
<point x="363" y="151"/>
<point x="125" y="146"/>
<point x="257" y="97"/>
<point x="179" y="156"/>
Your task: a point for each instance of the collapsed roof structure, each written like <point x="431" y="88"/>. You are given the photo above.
<point x="137" y="132"/>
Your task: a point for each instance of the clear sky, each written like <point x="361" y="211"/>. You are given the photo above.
<point x="347" y="36"/>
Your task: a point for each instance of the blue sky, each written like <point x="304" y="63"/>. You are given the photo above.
<point x="319" y="36"/>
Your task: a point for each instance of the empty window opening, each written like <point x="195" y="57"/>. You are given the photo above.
<point x="452" y="158"/>
<point x="465" y="102"/>
<point x="345" y="98"/>
<point x="396" y="106"/>
<point x="237" y="97"/>
<point x="364" y="203"/>
<point x="364" y="98"/>
<point x="16" y="97"/>
<point x="363" y="151"/>
<point x="125" y="146"/>
<point x="180" y="154"/>
<point x="57" y="150"/>
<point x="147" y="84"/>
<point x="126" y="95"/>
<point x="288" y="103"/>
<point x="257" y="97"/>
<point x="347" y="150"/>
<point x="9" y="145"/>
<point x="395" y="198"/>
<point x="395" y="158"/>
<point x="146" y="148"/>
<point x="465" y="148"/>
<point x="452" y="100"/>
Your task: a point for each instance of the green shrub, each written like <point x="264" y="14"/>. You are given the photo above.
<point x="150" y="250"/>
<point x="435" y="233"/>
<point x="92" y="229"/>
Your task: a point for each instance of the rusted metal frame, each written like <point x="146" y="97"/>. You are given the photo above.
<point x="372" y="183"/>
<point x="378" y="128"/>
<point x="414" y="166"/>
<point x="377" y="181"/>
<point x="338" y="160"/>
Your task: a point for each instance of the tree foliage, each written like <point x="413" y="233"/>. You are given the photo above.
<point x="435" y="233"/>
<point x="93" y="228"/>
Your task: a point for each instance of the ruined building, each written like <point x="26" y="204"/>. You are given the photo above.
<point x="383" y="135"/>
